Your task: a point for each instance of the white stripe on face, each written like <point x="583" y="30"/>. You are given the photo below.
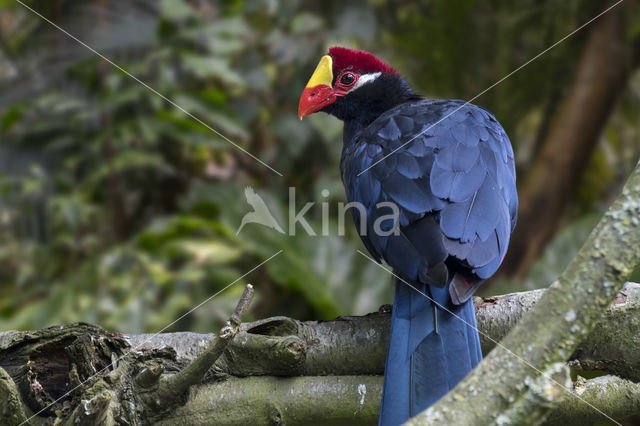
<point x="365" y="79"/>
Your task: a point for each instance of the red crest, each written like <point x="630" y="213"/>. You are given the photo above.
<point x="357" y="60"/>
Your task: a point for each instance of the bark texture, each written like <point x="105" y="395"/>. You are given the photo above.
<point x="618" y="397"/>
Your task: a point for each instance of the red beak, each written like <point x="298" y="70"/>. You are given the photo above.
<point x="315" y="98"/>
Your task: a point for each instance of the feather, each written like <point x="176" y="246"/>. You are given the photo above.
<point x="478" y="215"/>
<point x="457" y="186"/>
<point x="403" y="257"/>
<point x="457" y="248"/>
<point x="462" y="287"/>
<point x="484" y="251"/>
<point x="369" y="189"/>
<point x="417" y="148"/>
<point x="407" y="193"/>
<point x="457" y="157"/>
<point x="489" y="269"/>
<point x="373" y="150"/>
<point x="405" y="124"/>
<point x="426" y="237"/>
<point x="409" y="167"/>
<point x="390" y="131"/>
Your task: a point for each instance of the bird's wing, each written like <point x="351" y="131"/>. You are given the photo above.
<point x="454" y="185"/>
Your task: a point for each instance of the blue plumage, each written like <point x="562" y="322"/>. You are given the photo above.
<point x="422" y="364"/>
<point x="460" y="172"/>
<point x="455" y="189"/>
<point x="448" y="168"/>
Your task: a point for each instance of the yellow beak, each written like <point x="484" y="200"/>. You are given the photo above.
<point x="323" y="73"/>
<point x="318" y="93"/>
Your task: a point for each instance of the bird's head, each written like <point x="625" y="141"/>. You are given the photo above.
<point x="352" y="84"/>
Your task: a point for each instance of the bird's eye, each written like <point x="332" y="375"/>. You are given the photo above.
<point x="347" y="79"/>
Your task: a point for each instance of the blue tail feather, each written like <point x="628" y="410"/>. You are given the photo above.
<point x="428" y="354"/>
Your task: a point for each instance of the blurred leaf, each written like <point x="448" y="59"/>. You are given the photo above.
<point x="128" y="160"/>
<point x="176" y="9"/>
<point x="306" y="23"/>
<point x="358" y="22"/>
<point x="10" y="117"/>
<point x="211" y="67"/>
<point x="212" y="252"/>
<point x="219" y="121"/>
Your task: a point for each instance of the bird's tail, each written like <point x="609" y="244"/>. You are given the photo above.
<point x="430" y="350"/>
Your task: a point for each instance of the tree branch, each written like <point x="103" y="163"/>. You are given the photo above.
<point x="617" y="397"/>
<point x="608" y="347"/>
<point x="357" y="345"/>
<point x="542" y="394"/>
<point x="335" y="400"/>
<point x="356" y="400"/>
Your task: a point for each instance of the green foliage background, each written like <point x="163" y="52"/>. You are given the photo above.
<point x="117" y="208"/>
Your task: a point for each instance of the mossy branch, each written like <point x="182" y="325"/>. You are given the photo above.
<point x="268" y="400"/>
<point x="11" y="410"/>
<point x="349" y="400"/>
<point x="543" y="393"/>
<point x="618" y="398"/>
<point x="94" y="411"/>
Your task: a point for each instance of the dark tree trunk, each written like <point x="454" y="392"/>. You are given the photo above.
<point x="571" y="139"/>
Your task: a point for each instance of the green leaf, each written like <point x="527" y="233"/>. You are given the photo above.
<point x="306" y="23"/>
<point x="223" y="122"/>
<point x="209" y="252"/>
<point x="128" y="160"/>
<point x="176" y="9"/>
<point x="212" y="67"/>
<point x="10" y="117"/>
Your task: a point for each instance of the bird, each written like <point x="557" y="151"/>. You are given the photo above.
<point x="260" y="213"/>
<point x="448" y="167"/>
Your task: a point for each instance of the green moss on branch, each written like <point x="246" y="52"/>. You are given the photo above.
<point x="310" y="400"/>
<point x="11" y="410"/>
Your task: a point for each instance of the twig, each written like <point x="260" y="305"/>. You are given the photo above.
<point x="171" y="387"/>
